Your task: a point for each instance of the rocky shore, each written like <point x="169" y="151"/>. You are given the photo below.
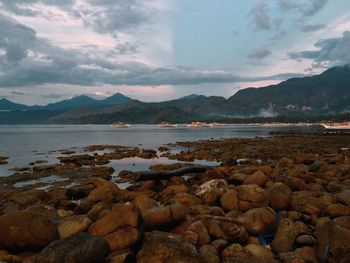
<point x="284" y="198"/>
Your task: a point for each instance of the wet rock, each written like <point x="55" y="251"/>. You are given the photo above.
<point x="197" y="234"/>
<point x="46" y="210"/>
<point x="224" y="228"/>
<point x="229" y="200"/>
<point x="25" y="229"/>
<point x="259" y="220"/>
<point x="161" y="247"/>
<point x="310" y="203"/>
<point x="280" y="196"/>
<point x="165" y="215"/>
<point x="305" y="240"/>
<point x="332" y="241"/>
<point x="78" y="192"/>
<point x="104" y="190"/>
<point x="64" y="213"/>
<point x="81" y="248"/>
<point x="145" y="203"/>
<point x="119" y="226"/>
<point x="72" y="225"/>
<point x="344" y="197"/>
<point x="258" y="178"/>
<point x="252" y="196"/>
<point x="296" y="184"/>
<point x="208" y="254"/>
<point x="343" y="221"/>
<point x="171" y="191"/>
<point x="262" y="253"/>
<point x="236" y="253"/>
<point x="335" y="210"/>
<point x="211" y="191"/>
<point x="205" y="210"/>
<point x="185" y="199"/>
<point x="308" y="254"/>
<point x="31" y="197"/>
<point x="285" y="236"/>
<point x="121" y="256"/>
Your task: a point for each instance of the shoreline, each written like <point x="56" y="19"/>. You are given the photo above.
<point x="293" y="187"/>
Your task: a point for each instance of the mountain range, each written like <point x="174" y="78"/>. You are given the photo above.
<point x="324" y="94"/>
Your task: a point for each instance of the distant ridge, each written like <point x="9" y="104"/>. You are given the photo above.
<point x="307" y="97"/>
<point x="6" y="105"/>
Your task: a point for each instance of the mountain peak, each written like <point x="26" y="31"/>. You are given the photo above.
<point x="191" y="97"/>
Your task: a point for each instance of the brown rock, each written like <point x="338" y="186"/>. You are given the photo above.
<point x="160" y="247"/>
<point x="262" y="253"/>
<point x="211" y="191"/>
<point x="25" y="229"/>
<point x="236" y="253"/>
<point x="224" y="228"/>
<point x="43" y="210"/>
<point x="144" y="203"/>
<point x="285" y="236"/>
<point x="197" y="234"/>
<point x="185" y="199"/>
<point x="229" y="200"/>
<point x="119" y="226"/>
<point x="208" y="254"/>
<point x="280" y="196"/>
<point x="69" y="226"/>
<point x="205" y="210"/>
<point x="332" y="241"/>
<point x="165" y="215"/>
<point x="258" y="178"/>
<point x="259" y="220"/>
<point x="31" y="197"/>
<point x="252" y="196"/>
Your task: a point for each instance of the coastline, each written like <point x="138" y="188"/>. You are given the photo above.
<point x="294" y="187"/>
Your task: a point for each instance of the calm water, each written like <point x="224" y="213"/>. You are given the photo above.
<point x="27" y="143"/>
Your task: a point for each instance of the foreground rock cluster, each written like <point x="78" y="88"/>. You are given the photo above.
<point x="267" y="202"/>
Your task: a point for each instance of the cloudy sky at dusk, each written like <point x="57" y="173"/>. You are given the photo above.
<point x="160" y="49"/>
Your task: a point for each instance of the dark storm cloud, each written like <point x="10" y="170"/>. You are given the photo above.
<point x="330" y="52"/>
<point x="312" y="28"/>
<point x="260" y="15"/>
<point x="103" y="16"/>
<point x="304" y="7"/>
<point x="260" y="53"/>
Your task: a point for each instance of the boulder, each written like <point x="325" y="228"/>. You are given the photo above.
<point x="81" y="248"/>
<point x="224" y="228"/>
<point x="26" y="229"/>
<point x="252" y="196"/>
<point x="259" y="220"/>
<point x="332" y="241"/>
<point x="211" y="191"/>
<point x="43" y="210"/>
<point x="285" y="236"/>
<point x="280" y="196"/>
<point x="264" y="254"/>
<point x="344" y="197"/>
<point x="71" y="225"/>
<point x="229" y="200"/>
<point x="208" y="254"/>
<point x="236" y="253"/>
<point x="119" y="226"/>
<point x="164" y="215"/>
<point x="161" y="247"/>
<point x="197" y="234"/>
<point x="258" y="178"/>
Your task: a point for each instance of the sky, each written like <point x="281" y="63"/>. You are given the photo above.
<point x="156" y="50"/>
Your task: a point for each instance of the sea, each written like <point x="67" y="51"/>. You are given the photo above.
<point x="24" y="144"/>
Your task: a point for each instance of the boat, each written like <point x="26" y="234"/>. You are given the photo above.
<point x="167" y="125"/>
<point x="197" y="124"/>
<point x="345" y="125"/>
<point x="121" y="125"/>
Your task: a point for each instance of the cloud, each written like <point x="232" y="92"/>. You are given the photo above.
<point x="312" y="28"/>
<point x="260" y="53"/>
<point x="330" y="52"/>
<point x="103" y="16"/>
<point x="260" y="15"/>
<point x="303" y="7"/>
